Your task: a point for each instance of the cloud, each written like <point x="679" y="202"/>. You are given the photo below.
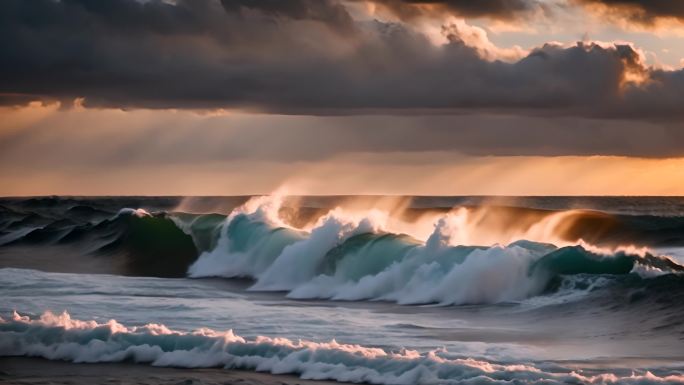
<point x="495" y="9"/>
<point x="476" y="37"/>
<point x="331" y="13"/>
<point x="645" y="12"/>
<point x="48" y="150"/>
<point x="408" y="10"/>
<point x="308" y="57"/>
<point x="112" y="138"/>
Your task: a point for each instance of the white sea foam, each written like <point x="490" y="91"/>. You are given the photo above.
<point x="347" y="256"/>
<point x="59" y="337"/>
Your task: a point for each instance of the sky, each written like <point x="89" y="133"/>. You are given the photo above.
<point x="405" y="97"/>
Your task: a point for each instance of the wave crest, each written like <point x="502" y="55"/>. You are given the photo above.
<point x="344" y="256"/>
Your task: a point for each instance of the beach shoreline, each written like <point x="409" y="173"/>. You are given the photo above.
<point x="18" y="370"/>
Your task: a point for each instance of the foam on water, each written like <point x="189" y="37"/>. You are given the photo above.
<point x="548" y="306"/>
<point x="59" y="337"/>
<point x="350" y="257"/>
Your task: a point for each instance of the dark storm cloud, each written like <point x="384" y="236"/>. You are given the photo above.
<point x="301" y="57"/>
<point x="333" y="14"/>
<point x="496" y="9"/>
<point x="406" y="9"/>
<point x="642" y="11"/>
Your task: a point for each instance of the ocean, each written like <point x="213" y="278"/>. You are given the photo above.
<point x="362" y="289"/>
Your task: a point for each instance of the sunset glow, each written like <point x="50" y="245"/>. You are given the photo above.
<point x="389" y="192"/>
<point x="77" y="151"/>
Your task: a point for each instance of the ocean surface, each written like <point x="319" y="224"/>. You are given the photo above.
<point x="365" y="289"/>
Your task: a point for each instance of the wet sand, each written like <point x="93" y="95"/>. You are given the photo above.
<point x="38" y="371"/>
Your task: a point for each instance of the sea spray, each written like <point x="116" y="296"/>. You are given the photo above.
<point x="350" y="257"/>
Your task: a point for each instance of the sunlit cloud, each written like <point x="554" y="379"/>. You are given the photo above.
<point x="269" y="93"/>
<point x="659" y="17"/>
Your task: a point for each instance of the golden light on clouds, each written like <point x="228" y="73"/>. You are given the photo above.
<point x="632" y="17"/>
<point x="81" y="151"/>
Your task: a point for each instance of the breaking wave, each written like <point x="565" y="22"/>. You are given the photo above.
<point x="350" y="256"/>
<point x="59" y="337"/>
<point x="378" y="251"/>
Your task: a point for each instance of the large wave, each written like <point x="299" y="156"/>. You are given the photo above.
<point x="59" y="337"/>
<point x="382" y="249"/>
<point x="351" y="256"/>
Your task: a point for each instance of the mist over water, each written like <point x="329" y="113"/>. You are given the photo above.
<point x="412" y="289"/>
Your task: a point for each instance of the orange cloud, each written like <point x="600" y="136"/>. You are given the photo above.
<point x="661" y="16"/>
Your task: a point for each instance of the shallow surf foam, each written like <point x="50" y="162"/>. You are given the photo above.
<point x="60" y="337"/>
